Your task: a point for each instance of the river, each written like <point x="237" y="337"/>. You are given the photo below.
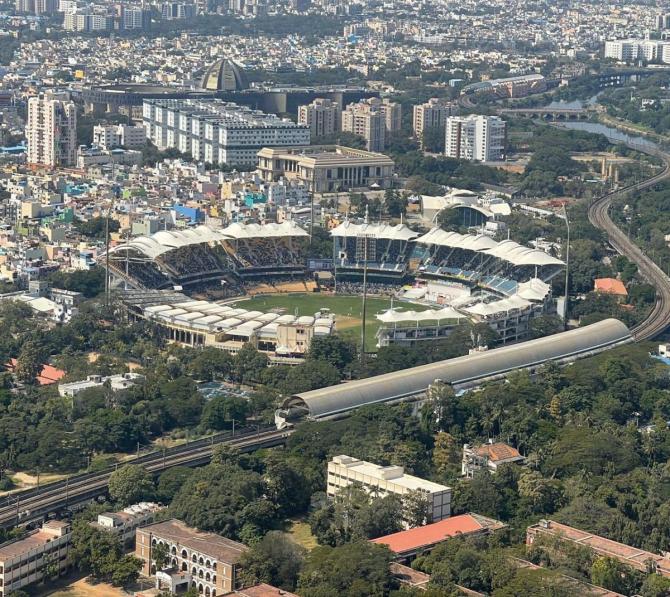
<point x="613" y="134"/>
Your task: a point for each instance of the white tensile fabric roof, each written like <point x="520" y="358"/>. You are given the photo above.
<point x="437" y="236"/>
<point x="533" y="290"/>
<point x="166" y="240"/>
<point x="506" y="304"/>
<point x="395" y="316"/>
<point x="517" y="254"/>
<point x="507" y="250"/>
<point x="286" y="228"/>
<point x="384" y="231"/>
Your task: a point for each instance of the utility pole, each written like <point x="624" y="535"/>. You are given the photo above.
<point x="107" y="260"/>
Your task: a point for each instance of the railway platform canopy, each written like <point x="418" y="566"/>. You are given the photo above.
<point x="466" y="371"/>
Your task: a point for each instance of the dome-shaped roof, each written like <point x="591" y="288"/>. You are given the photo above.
<point x="224" y="75"/>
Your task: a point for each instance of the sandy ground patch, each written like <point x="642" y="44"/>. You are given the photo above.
<point x="82" y="588"/>
<point x="342" y="322"/>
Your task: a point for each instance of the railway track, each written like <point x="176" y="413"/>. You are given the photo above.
<point x="26" y="507"/>
<point x="659" y="318"/>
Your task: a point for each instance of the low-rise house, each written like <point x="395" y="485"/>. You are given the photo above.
<point x="125" y="522"/>
<point x="488" y="456"/>
<point x="48" y="375"/>
<point x="40" y="555"/>
<point x="610" y="286"/>
<point x="121" y="381"/>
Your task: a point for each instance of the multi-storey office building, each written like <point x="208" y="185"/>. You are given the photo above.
<point x="218" y="132"/>
<point x="206" y="561"/>
<point x="432" y="114"/>
<point x="26" y="561"/>
<point x="475" y="138"/>
<point x="344" y="471"/>
<point x="322" y="116"/>
<point x="52" y="131"/>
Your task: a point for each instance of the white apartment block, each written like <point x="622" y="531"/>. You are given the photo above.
<point x="432" y="114"/>
<point x="23" y="561"/>
<point x="52" y="131"/>
<point x="218" y="132"/>
<point x="87" y="21"/>
<point x="344" y="471"/>
<point x="322" y="116"/>
<point x="119" y="135"/>
<point x="631" y="50"/>
<point x="475" y="138"/>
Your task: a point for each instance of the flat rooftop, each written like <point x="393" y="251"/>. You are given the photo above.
<point x="394" y="474"/>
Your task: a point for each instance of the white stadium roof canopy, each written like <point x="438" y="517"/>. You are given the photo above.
<point x="471" y="242"/>
<point x="383" y="231"/>
<point x="166" y="240"/>
<point x="507" y="250"/>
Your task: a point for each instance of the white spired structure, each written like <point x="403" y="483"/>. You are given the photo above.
<point x="476" y="138"/>
<point x="382" y="480"/>
<point x="52" y="130"/>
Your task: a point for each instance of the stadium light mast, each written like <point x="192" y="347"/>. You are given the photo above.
<point x="365" y="295"/>
<point x="567" y="267"/>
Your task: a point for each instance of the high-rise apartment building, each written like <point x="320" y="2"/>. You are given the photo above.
<point x="475" y="138"/>
<point x="218" y="132"/>
<point x="37" y="7"/>
<point x="373" y="119"/>
<point x="432" y="114"/>
<point x="366" y="121"/>
<point x="87" y="21"/>
<point x="136" y="17"/>
<point x="52" y="130"/>
<point x="176" y="10"/>
<point x="322" y="116"/>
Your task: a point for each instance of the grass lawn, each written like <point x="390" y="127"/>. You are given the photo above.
<point x="347" y="310"/>
<point x="302" y="534"/>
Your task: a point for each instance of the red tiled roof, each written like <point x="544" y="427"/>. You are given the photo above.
<point x="637" y="558"/>
<point x="610" y="286"/>
<point x="498" y="452"/>
<point x="263" y="590"/>
<point x="49" y="375"/>
<point x="431" y="534"/>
